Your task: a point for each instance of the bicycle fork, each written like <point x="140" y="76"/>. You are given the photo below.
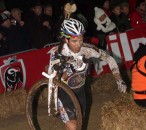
<point x="52" y="94"/>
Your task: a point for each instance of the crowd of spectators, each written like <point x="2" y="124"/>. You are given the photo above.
<point x="21" y="31"/>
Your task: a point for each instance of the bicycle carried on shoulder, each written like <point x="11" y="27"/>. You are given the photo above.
<point x="33" y="104"/>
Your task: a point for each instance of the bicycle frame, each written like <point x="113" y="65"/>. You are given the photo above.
<point x="52" y="89"/>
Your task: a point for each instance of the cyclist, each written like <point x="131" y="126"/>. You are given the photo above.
<point x="72" y="33"/>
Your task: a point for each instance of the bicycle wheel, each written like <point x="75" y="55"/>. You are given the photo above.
<point x="36" y="107"/>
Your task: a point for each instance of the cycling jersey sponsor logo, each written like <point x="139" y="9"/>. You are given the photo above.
<point x="76" y="80"/>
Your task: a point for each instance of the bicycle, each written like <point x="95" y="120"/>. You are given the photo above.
<point x="55" y="77"/>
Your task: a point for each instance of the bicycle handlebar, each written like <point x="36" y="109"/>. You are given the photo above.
<point x="61" y="62"/>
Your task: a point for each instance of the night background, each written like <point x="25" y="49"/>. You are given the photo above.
<point x="26" y="4"/>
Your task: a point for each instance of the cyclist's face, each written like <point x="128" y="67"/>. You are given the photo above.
<point x="75" y="43"/>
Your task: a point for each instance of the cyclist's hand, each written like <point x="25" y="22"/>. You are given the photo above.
<point x="121" y="86"/>
<point x="64" y="76"/>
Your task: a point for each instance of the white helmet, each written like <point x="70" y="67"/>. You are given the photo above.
<point x="72" y="27"/>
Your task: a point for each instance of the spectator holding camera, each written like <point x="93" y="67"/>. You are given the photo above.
<point x="16" y="17"/>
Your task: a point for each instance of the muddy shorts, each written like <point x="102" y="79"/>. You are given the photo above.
<point x="66" y="107"/>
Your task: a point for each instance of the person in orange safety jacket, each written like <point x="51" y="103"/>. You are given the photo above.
<point x="139" y="82"/>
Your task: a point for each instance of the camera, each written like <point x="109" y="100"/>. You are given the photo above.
<point x="13" y="22"/>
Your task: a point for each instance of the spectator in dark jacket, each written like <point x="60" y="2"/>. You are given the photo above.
<point x="119" y="18"/>
<point x="125" y="9"/>
<point x="38" y="27"/>
<point x="16" y="17"/>
<point x="48" y="12"/>
<point x="14" y="36"/>
<point x="3" y="45"/>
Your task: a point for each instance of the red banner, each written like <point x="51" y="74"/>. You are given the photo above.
<point x="122" y="47"/>
<point x="25" y="68"/>
<point x="22" y="69"/>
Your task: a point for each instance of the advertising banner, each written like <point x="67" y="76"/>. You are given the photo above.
<point x="23" y="69"/>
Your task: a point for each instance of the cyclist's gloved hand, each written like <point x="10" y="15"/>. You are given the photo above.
<point x="121" y="85"/>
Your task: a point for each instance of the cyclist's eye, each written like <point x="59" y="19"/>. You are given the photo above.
<point x="81" y="40"/>
<point x="74" y="41"/>
<point x="77" y="41"/>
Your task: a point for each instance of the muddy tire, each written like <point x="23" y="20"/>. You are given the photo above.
<point x="33" y="97"/>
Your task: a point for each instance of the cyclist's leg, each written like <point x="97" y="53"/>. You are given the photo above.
<point x="71" y="125"/>
<point x="67" y="110"/>
<point x="80" y="94"/>
<point x="68" y="116"/>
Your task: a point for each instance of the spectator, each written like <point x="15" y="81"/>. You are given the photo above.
<point x="104" y="26"/>
<point x="106" y="7"/>
<point x="125" y="9"/>
<point x="138" y="70"/>
<point x="16" y="17"/>
<point x="14" y="36"/>
<point x="103" y="4"/>
<point x="138" y="16"/>
<point x="48" y="12"/>
<point x="3" y="45"/>
<point x="119" y="18"/>
<point x="18" y="21"/>
<point x="38" y="27"/>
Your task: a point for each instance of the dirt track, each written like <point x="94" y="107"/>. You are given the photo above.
<point x="95" y="99"/>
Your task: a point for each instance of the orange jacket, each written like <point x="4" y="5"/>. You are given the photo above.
<point x="138" y="80"/>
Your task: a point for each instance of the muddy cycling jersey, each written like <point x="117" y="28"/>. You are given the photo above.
<point x="73" y="78"/>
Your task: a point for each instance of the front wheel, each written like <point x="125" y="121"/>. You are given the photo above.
<point x="36" y="107"/>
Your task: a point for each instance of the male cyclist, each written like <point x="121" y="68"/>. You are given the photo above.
<point x="72" y="45"/>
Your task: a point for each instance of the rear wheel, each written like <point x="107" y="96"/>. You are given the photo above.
<point x="36" y="107"/>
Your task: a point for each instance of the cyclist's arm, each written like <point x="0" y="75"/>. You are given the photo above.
<point x="92" y="51"/>
<point x="111" y="62"/>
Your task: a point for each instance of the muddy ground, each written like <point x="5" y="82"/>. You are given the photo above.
<point x="98" y="91"/>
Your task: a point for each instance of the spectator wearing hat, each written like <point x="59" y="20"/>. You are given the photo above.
<point x="14" y="37"/>
<point x="104" y="26"/>
<point x="38" y="27"/>
<point x="5" y="20"/>
<point x="103" y="4"/>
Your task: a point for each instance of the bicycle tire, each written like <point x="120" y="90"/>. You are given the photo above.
<point x="33" y="91"/>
